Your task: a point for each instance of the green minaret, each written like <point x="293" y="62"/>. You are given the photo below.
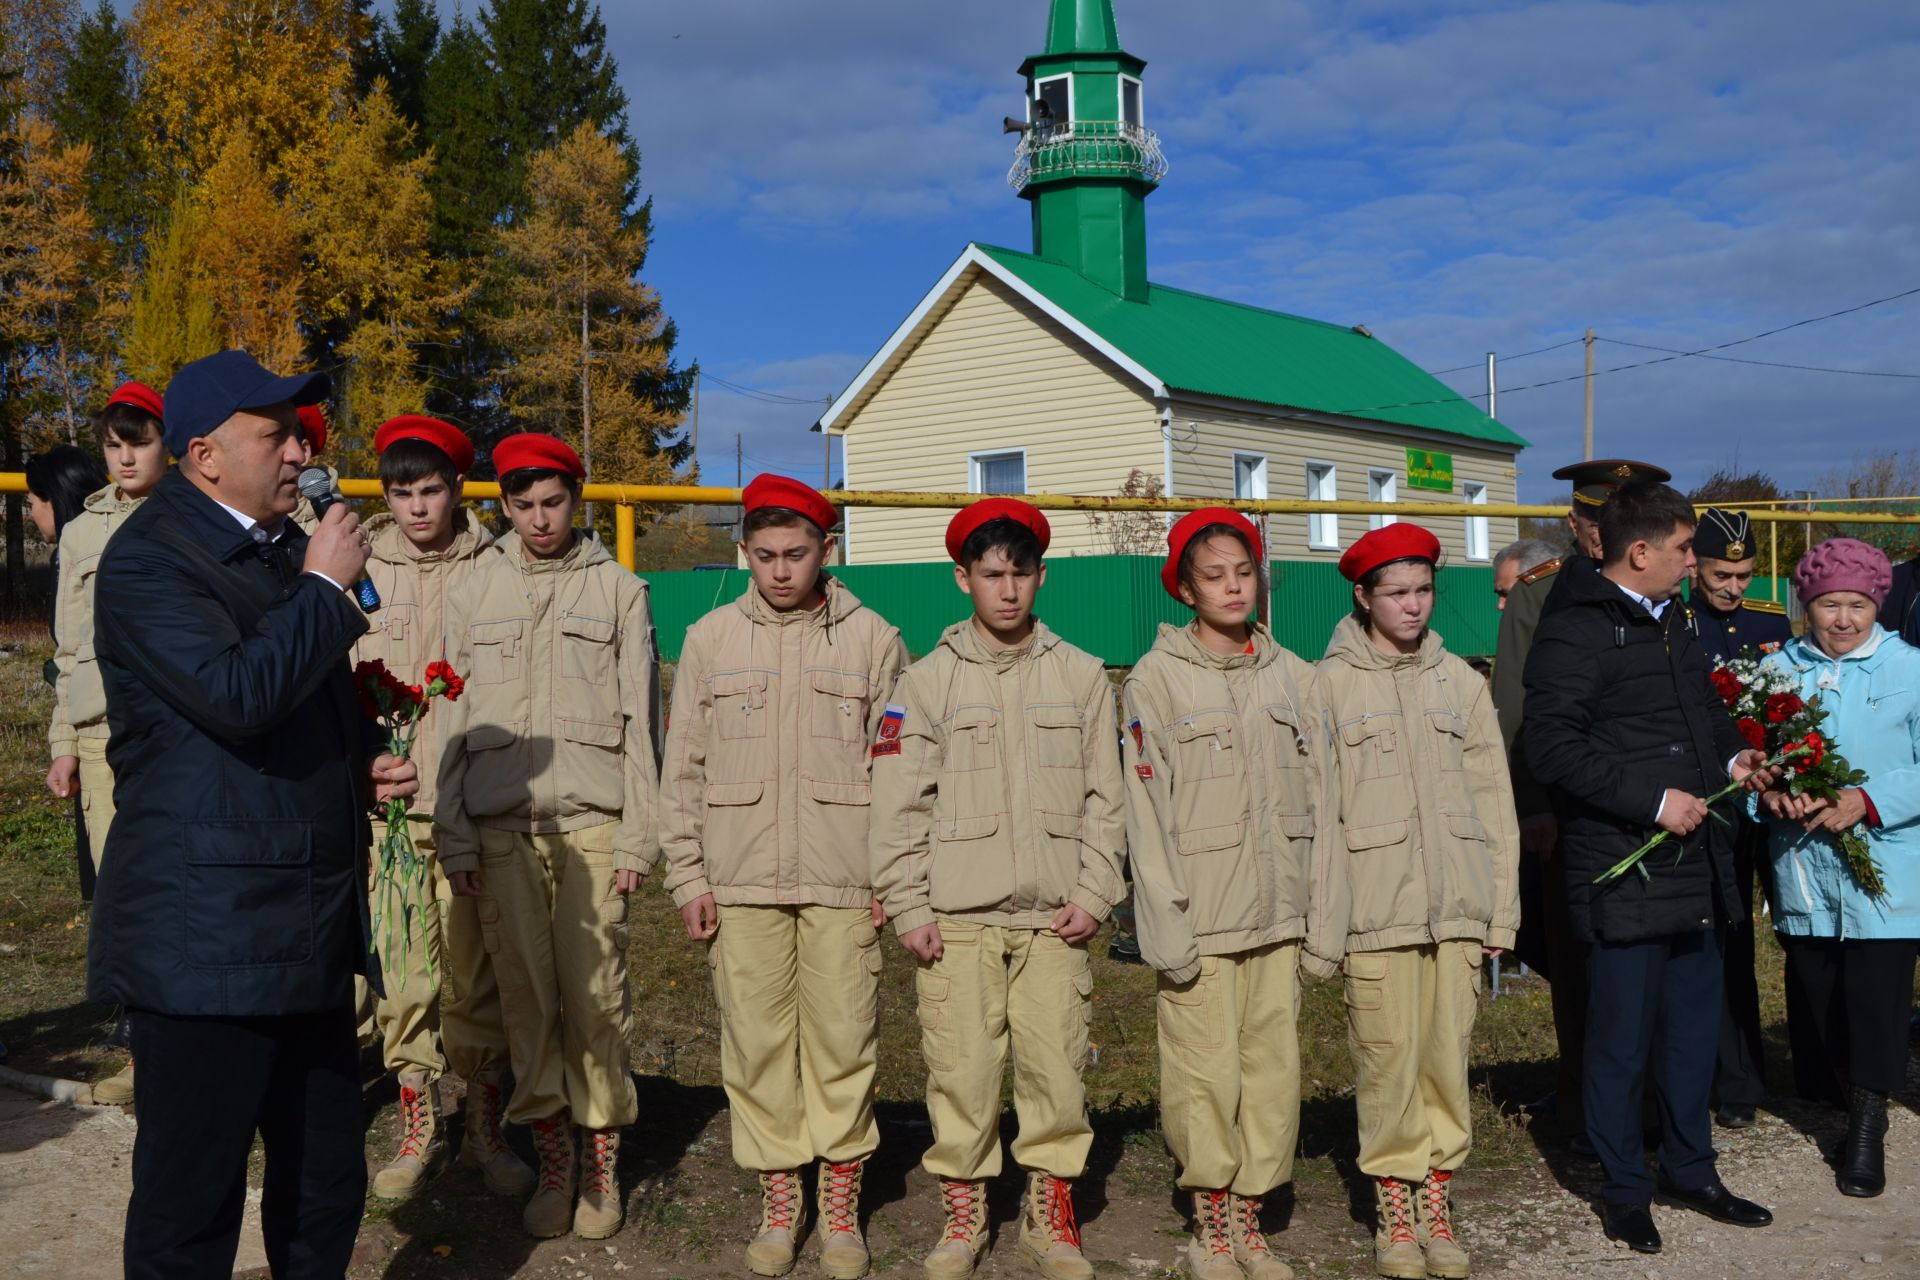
<point x="1087" y="161"/>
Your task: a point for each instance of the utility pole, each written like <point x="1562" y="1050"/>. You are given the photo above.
<point x="695" y="435"/>
<point x="1589" y="433"/>
<point x="586" y="412"/>
<point x="1493" y="388"/>
<point x="739" y="480"/>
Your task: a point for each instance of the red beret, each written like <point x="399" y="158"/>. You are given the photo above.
<point x="1392" y="542"/>
<point x="140" y="396"/>
<point x="532" y="449"/>
<point x="443" y="436"/>
<point x="979" y="513"/>
<point x="778" y="491"/>
<point x="315" y="423"/>
<point x="1193" y="522"/>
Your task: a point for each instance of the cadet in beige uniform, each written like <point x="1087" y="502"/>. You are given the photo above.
<point x="765" y="796"/>
<point x="1426" y="816"/>
<point x="129" y="431"/>
<point x="425" y="546"/>
<point x="548" y="797"/>
<point x="996" y="852"/>
<point x="1225" y="798"/>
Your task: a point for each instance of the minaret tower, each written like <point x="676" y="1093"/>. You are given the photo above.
<point x="1087" y="162"/>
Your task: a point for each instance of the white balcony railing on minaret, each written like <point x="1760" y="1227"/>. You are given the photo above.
<point x="1094" y="147"/>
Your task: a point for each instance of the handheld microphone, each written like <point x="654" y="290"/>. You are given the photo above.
<point x="321" y="492"/>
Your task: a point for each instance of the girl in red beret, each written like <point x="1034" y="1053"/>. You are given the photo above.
<point x="1427" y="857"/>
<point x="1226" y="752"/>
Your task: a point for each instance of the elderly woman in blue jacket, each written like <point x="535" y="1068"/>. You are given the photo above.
<point x="1850" y="956"/>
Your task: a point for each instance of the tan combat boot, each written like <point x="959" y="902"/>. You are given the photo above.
<point x="505" y="1173"/>
<point x="843" y="1254"/>
<point x="116" y="1090"/>
<point x="964" y="1238"/>
<point x="1250" y="1246"/>
<point x="550" y="1212"/>
<point x="600" y="1211"/>
<point x="1446" y="1260"/>
<point x="783" y="1209"/>
<point x="422" y="1145"/>
<point x="1210" y="1252"/>
<point x="1396" y="1252"/>
<point x="1048" y="1233"/>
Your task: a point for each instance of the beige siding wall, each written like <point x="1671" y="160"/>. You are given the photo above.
<point x="1206" y="439"/>
<point x="994" y="374"/>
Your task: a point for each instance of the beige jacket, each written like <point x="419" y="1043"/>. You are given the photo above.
<point x="767" y="786"/>
<point x="409" y="629"/>
<point x="1002" y="802"/>
<point x="79" y="698"/>
<point x="1425" y="804"/>
<point x="559" y="727"/>
<point x="1227" y="803"/>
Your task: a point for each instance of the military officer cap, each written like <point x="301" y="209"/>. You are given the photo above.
<point x="1594" y="481"/>
<point x="1724" y="535"/>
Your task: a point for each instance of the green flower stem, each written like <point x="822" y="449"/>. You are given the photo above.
<point x="1632" y="862"/>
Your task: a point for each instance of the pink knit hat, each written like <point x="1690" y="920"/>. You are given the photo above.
<point x="1843" y="564"/>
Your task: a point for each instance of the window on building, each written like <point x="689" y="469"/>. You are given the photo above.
<point x="1250" y="476"/>
<point x="998" y="472"/>
<point x="1323" y="531"/>
<point x="1130" y="100"/>
<point x="1381" y="487"/>
<point x="1476" y="495"/>
<point x="1056" y="96"/>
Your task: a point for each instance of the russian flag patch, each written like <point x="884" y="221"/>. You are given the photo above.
<point x="890" y="724"/>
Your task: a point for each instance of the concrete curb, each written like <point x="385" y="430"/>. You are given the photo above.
<point x="71" y="1092"/>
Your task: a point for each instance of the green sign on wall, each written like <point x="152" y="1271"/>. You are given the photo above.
<point x="1429" y="470"/>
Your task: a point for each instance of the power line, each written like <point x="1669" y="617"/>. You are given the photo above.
<point x="1478" y="364"/>
<point x="757" y="393"/>
<point x="1771" y="364"/>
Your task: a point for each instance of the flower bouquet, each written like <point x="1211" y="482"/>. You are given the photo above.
<point x="1774" y="719"/>
<point x="400" y="892"/>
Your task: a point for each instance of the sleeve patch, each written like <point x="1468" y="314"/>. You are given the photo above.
<point x="890" y="725"/>
<point x="1145" y="771"/>
<point x="1139" y="733"/>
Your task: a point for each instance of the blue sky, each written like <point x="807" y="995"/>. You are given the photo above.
<point x="1460" y="177"/>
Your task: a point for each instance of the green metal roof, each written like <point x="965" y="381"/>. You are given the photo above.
<point x="1082" y="26"/>
<point x="1213" y="347"/>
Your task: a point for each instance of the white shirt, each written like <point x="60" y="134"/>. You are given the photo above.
<point x="262" y="536"/>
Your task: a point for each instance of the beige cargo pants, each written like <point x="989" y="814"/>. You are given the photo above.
<point x="418" y="1029"/>
<point x="797" y="988"/>
<point x="557" y="933"/>
<point x="1230" y="1070"/>
<point x="96" y="794"/>
<point x="1410" y="1018"/>
<point x="993" y="989"/>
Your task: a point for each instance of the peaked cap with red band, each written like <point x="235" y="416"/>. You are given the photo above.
<point x="443" y="436"/>
<point x="1385" y="545"/>
<point x="972" y="517"/>
<point x="140" y="396"/>
<point x="1192" y="523"/>
<point x="533" y="449"/>
<point x="314" y="422"/>
<point x="791" y="495"/>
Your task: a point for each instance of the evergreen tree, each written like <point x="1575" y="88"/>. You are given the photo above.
<point x="400" y="52"/>
<point x="457" y="125"/>
<point x="94" y="107"/>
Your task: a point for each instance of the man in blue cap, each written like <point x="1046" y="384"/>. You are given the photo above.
<point x="230" y="918"/>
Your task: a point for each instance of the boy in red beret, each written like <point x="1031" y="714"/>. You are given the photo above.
<point x="996" y="846"/>
<point x="548" y="799"/>
<point x="424" y="547"/>
<point x="764" y="805"/>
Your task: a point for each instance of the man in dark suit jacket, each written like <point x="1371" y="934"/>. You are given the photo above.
<point x="1624" y="729"/>
<point x="231" y="913"/>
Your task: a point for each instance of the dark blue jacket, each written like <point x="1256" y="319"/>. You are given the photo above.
<point x="232" y="883"/>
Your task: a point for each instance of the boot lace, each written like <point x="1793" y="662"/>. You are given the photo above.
<point x="1249" y="1213"/>
<point x="490" y="1112"/>
<point x="779" y="1196"/>
<point x="1439" y="1205"/>
<point x="1398" y="1211"/>
<point x="1057" y="1204"/>
<point x="840" y="1196"/>
<point x="601" y="1159"/>
<point x="963" y="1210"/>
<point x="1215" y="1226"/>
<point x="550" y="1142"/>
<point x="417" y="1124"/>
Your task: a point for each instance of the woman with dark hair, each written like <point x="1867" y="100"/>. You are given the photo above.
<point x="1426" y="827"/>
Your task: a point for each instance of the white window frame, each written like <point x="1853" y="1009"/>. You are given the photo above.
<point x="1475" y="494"/>
<point x="1072" y="113"/>
<point x="1258" y="479"/>
<point x="975" y="459"/>
<point x="1323" y="530"/>
<point x="1139" y="89"/>
<point x="1383" y="485"/>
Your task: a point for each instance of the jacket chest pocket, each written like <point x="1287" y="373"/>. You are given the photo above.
<point x="1889" y="698"/>
<point x="973" y="740"/>
<point x="398" y="628"/>
<point x="1449" y="736"/>
<point x="498" y="649"/>
<point x="1289" y="736"/>
<point x="1371" y="747"/>
<point x="839" y="711"/>
<point x="1203" y="747"/>
<point x="740" y="704"/>
<point x="1056" y="736"/>
<point x="587" y="648"/>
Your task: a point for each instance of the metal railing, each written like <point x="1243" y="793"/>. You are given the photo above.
<point x="1087" y="146"/>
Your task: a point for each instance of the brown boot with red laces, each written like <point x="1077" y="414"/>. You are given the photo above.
<point x="1446" y="1260"/>
<point x="1048" y="1233"/>
<point x="1250" y="1246"/>
<point x="843" y="1253"/>
<point x="550" y="1212"/>
<point x="1210" y="1252"/>
<point x="1396" y="1251"/>
<point x="783" y="1208"/>
<point x="600" y="1211"/>
<point x="422" y="1145"/>
<point x="964" y="1238"/>
<point x="485" y="1146"/>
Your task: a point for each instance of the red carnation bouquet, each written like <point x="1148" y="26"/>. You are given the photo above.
<point x="1774" y="719"/>
<point x="400" y="892"/>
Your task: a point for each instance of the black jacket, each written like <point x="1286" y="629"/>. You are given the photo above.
<point x="1618" y="709"/>
<point x="1898" y="614"/>
<point x="232" y="883"/>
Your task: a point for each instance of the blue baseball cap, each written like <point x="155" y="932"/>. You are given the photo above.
<point x="214" y="388"/>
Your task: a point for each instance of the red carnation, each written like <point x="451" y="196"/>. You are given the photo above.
<point x="1819" y="746"/>
<point x="1784" y="706"/>
<point x="1727" y="685"/>
<point x="1755" y="735"/>
<point x="442" y="673"/>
